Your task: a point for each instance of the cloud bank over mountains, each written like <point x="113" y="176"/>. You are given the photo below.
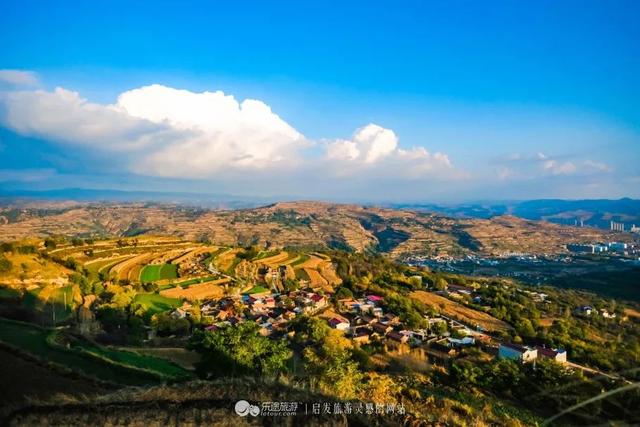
<point x="159" y="137"/>
<point x="161" y="131"/>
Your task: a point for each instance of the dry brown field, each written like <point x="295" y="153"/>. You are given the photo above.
<point x="460" y="312"/>
<point x="198" y="291"/>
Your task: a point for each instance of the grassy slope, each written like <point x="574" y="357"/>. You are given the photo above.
<point x="32" y="266"/>
<point x="155" y="303"/>
<point x="152" y="273"/>
<point x="33" y="340"/>
<point x="52" y="302"/>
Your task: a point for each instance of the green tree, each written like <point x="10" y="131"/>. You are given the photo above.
<point x="343" y="293"/>
<point x="5" y="264"/>
<point x="239" y="350"/>
<point x="50" y="244"/>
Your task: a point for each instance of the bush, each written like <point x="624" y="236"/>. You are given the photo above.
<point x="5" y="264"/>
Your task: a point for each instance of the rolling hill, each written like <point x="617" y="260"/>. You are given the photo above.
<point x="304" y="224"/>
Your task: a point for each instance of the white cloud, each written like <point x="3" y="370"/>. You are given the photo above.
<point x="64" y="116"/>
<point x="375" y="149"/>
<point x="18" y="77"/>
<point x="558" y="168"/>
<point x="597" y="166"/>
<point x="160" y="131"/>
<point x="220" y="132"/>
<point x="540" y="165"/>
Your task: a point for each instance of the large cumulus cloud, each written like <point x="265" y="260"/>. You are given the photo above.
<point x="374" y="149"/>
<point x="161" y="131"/>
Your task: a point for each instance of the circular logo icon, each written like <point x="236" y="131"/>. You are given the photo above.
<point x="254" y="410"/>
<point x="244" y="408"/>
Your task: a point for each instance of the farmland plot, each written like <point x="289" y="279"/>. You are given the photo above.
<point x="460" y="312"/>
<point x="122" y="269"/>
<point x="155" y="272"/>
<point x="197" y="291"/>
<point x="276" y="260"/>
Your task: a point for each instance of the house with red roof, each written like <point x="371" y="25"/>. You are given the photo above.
<point x="339" y="324"/>
<point x="559" y="355"/>
<point x="374" y="299"/>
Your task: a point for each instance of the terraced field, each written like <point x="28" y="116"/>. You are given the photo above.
<point x="126" y="269"/>
<point x="104" y="264"/>
<point x="154" y="303"/>
<point x="275" y="260"/>
<point x="460" y="312"/>
<point x="198" y="291"/>
<point x="179" y="270"/>
<point x="156" y="272"/>
<point x="110" y="365"/>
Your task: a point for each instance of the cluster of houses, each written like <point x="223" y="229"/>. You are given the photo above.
<point x="272" y="312"/>
<point x="364" y="320"/>
<point x="587" y="310"/>
<point x="525" y="354"/>
<point x="361" y="319"/>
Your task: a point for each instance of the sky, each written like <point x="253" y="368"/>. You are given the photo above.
<point x="426" y="101"/>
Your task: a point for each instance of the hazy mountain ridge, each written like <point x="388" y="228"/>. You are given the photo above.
<point x="595" y="213"/>
<point x="311" y="224"/>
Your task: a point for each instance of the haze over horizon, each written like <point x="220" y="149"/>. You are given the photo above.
<point x="360" y="102"/>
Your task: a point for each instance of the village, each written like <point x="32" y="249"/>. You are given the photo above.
<point x="365" y="321"/>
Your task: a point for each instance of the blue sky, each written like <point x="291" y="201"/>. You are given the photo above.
<point x="367" y="100"/>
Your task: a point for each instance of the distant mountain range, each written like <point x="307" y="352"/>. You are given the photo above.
<point x="398" y="232"/>
<point x="588" y="213"/>
<point x="207" y="200"/>
<point x="593" y="213"/>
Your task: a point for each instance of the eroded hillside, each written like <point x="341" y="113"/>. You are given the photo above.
<point x="308" y="224"/>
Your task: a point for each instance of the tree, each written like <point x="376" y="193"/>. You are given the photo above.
<point x="291" y="285"/>
<point x="308" y="329"/>
<point x="166" y="325"/>
<point x="239" y="350"/>
<point x="439" y="328"/>
<point x="7" y="247"/>
<point x="331" y="364"/>
<point x="379" y="388"/>
<point x="83" y="283"/>
<point x="343" y="293"/>
<point x="5" y="264"/>
<point x="525" y="328"/>
<point x="440" y="284"/>
<point x="49" y="243"/>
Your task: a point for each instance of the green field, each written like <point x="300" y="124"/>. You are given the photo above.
<point x="257" y="290"/>
<point x="134" y="359"/>
<point x="155" y="272"/>
<point x="302" y="275"/>
<point x="187" y="283"/>
<point x="303" y="258"/>
<point x="266" y="254"/>
<point x="33" y="339"/>
<point x="155" y="303"/>
<point x="95" y="267"/>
